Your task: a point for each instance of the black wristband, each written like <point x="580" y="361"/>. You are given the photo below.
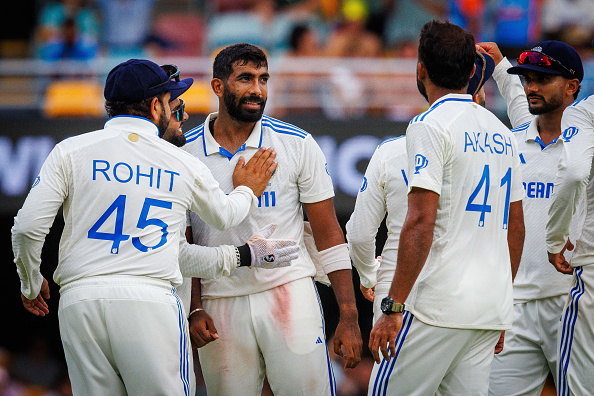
<point x="245" y="256"/>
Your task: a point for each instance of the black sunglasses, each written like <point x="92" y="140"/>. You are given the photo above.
<point x="172" y="72"/>
<point x="179" y="111"/>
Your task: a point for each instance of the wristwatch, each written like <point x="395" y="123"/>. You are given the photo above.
<point x="388" y="306"/>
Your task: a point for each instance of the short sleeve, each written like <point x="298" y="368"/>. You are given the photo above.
<point x="314" y="180"/>
<point x="426" y="147"/>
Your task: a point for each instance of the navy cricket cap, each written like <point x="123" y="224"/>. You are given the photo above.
<point x="565" y="54"/>
<point x="485" y="65"/>
<point x="138" y="79"/>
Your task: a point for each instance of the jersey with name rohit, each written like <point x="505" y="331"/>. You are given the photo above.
<point x="383" y="191"/>
<point x="301" y="177"/>
<point x="465" y="154"/>
<point x="574" y="182"/>
<point x="125" y="193"/>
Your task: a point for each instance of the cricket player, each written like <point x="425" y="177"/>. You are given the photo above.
<point x="573" y="181"/>
<point x="552" y="72"/>
<point x="125" y="192"/>
<point x="451" y="295"/>
<point x="383" y="193"/>
<point x="255" y="323"/>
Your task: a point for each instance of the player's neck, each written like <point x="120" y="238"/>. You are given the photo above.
<point x="434" y="93"/>
<point x="549" y="125"/>
<point x="230" y="133"/>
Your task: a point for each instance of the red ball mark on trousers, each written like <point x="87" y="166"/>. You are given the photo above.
<point x="282" y="309"/>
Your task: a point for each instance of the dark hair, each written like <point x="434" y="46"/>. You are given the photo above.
<point x="448" y="52"/>
<point x="142" y="108"/>
<point x="296" y="35"/>
<point x="243" y="53"/>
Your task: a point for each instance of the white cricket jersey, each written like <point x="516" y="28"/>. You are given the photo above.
<point x="465" y="154"/>
<point x="125" y="193"/>
<point x="301" y="177"/>
<point x="536" y="277"/>
<point x="574" y="175"/>
<point x="384" y="190"/>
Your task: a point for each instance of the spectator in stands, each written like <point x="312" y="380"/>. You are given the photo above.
<point x="69" y="45"/>
<point x="54" y="15"/>
<point x="304" y="41"/>
<point x="351" y="39"/>
<point x="126" y="26"/>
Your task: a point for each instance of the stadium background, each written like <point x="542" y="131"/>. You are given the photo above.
<point x="350" y="84"/>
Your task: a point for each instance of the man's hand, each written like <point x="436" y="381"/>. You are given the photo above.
<point x="383" y="336"/>
<point x="256" y="173"/>
<point x="271" y="253"/>
<point x="202" y="329"/>
<point x="347" y="341"/>
<point x="369" y="294"/>
<point x="490" y="49"/>
<point x="558" y="259"/>
<point x="38" y="306"/>
<point x="499" y="345"/>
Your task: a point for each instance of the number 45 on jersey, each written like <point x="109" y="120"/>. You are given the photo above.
<point x="117" y="236"/>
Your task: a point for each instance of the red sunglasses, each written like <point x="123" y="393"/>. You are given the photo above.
<point x="540" y="59"/>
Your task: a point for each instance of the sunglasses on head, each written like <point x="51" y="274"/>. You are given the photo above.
<point x="172" y="72"/>
<point x="179" y="111"/>
<point x="540" y="59"/>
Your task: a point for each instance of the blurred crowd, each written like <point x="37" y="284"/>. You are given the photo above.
<point x="85" y="29"/>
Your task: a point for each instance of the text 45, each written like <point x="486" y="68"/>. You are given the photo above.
<point x="117" y="236"/>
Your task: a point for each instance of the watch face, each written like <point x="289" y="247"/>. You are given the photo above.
<point x="386" y="305"/>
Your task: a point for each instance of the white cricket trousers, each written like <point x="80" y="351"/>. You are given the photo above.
<point x="576" y="337"/>
<point x="530" y="349"/>
<point x="125" y="335"/>
<point x="278" y="333"/>
<point x="433" y="360"/>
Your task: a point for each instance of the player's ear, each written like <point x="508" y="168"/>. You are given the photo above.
<point x="421" y="71"/>
<point x="218" y="87"/>
<point x="572" y="86"/>
<point x="155" y="109"/>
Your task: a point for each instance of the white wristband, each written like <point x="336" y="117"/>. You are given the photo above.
<point x="335" y="258"/>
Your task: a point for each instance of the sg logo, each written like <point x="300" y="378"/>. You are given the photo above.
<point x="420" y="163"/>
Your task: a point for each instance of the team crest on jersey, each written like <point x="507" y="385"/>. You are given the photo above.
<point x="420" y="163"/>
<point x="36" y="182"/>
<point x="364" y="185"/>
<point x="569" y="133"/>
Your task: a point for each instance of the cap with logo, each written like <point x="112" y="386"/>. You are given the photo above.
<point x="138" y="79"/>
<point x="550" y="57"/>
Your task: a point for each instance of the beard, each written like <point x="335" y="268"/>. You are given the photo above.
<point x="236" y="111"/>
<point x="172" y="137"/>
<point x="553" y="103"/>
<point x="163" y="122"/>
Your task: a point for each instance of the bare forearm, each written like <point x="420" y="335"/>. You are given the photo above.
<point x="515" y="235"/>
<point x="413" y="250"/>
<point x="196" y="300"/>
<point x="342" y="284"/>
